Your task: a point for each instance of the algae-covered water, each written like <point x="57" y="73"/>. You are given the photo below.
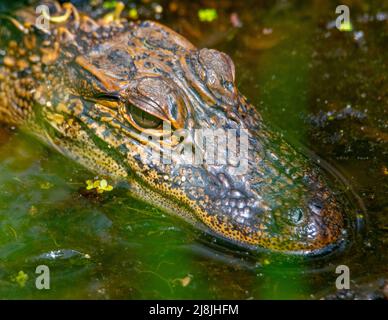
<point x="324" y="88"/>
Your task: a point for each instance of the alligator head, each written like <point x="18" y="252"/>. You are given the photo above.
<point x="110" y="92"/>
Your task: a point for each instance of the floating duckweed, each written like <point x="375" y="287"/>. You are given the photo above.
<point x="21" y="278"/>
<point x="266" y="262"/>
<point x="186" y="280"/>
<point x="46" y="185"/>
<point x="207" y="15"/>
<point x="100" y="185"/>
<point x="133" y="14"/>
<point x="109" y="4"/>
<point x="89" y="185"/>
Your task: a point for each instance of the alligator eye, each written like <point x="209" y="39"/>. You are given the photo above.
<point x="144" y="119"/>
<point x="108" y="97"/>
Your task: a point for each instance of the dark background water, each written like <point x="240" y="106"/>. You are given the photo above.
<point x="321" y="87"/>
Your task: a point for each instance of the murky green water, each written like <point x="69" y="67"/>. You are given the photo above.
<point x="323" y="88"/>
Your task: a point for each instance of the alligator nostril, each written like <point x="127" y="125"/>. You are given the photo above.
<point x="316" y="207"/>
<point x="295" y="215"/>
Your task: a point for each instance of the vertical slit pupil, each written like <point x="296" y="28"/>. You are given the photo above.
<point x="143" y="118"/>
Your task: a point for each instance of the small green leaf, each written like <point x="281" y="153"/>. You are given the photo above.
<point x="133" y="14"/>
<point x="100" y="185"/>
<point x="21" y="278"/>
<point x="46" y="185"/>
<point x="207" y="15"/>
<point x="109" y="4"/>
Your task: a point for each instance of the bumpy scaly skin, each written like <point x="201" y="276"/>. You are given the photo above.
<point x="76" y="88"/>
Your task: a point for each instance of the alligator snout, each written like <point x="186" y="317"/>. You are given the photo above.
<point x="299" y="214"/>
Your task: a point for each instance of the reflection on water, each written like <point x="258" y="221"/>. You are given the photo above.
<point x="320" y="87"/>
